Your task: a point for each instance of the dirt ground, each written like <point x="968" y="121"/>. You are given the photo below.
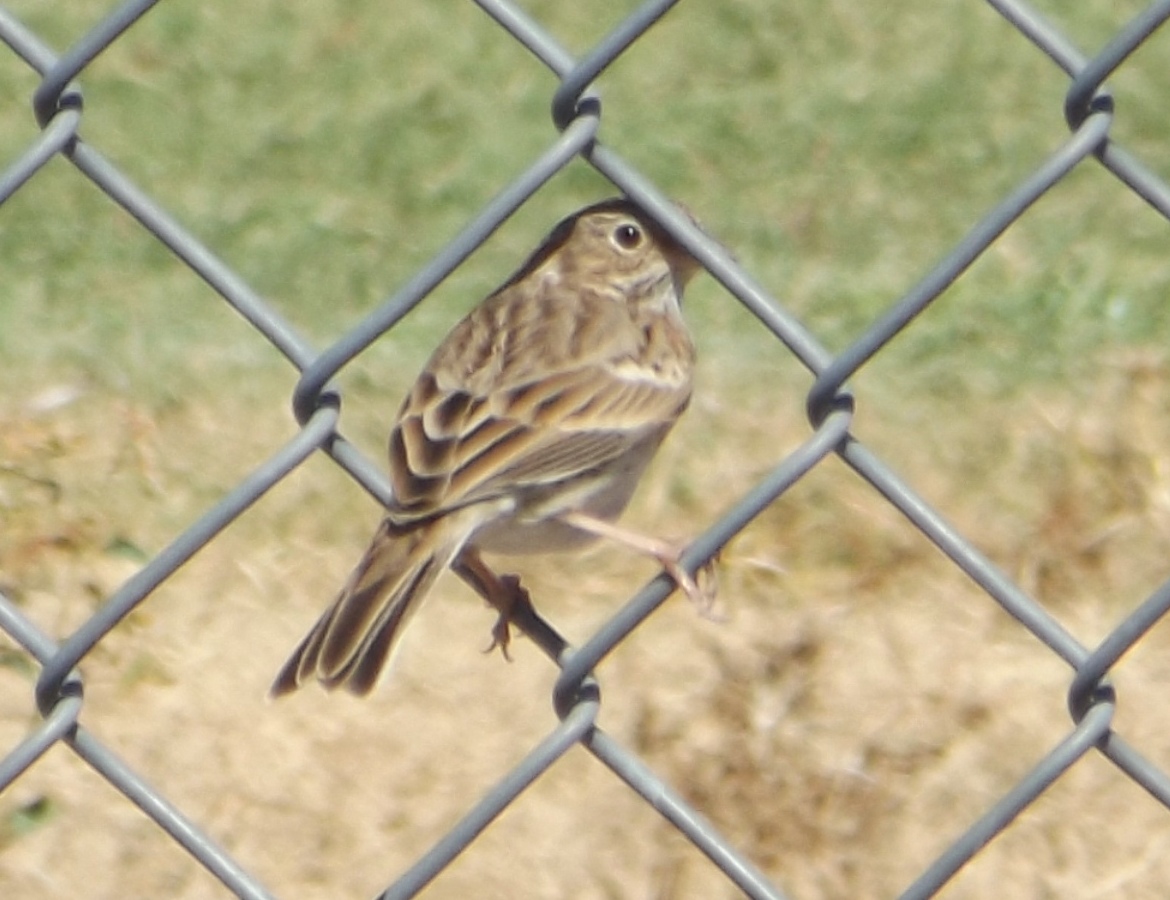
<point x="855" y="707"/>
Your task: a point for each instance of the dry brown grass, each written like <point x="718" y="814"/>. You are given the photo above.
<point x="859" y="706"/>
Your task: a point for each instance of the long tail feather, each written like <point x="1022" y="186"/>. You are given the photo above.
<point x="355" y="639"/>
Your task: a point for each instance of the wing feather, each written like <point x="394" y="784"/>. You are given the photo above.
<point x="469" y="434"/>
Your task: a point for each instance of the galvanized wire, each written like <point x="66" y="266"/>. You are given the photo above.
<point x="576" y="114"/>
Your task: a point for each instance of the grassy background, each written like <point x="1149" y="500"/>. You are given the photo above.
<point x="861" y="704"/>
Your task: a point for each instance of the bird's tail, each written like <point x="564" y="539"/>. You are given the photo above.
<point x="354" y="640"/>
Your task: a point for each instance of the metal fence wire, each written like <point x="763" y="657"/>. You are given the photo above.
<point x="576" y="113"/>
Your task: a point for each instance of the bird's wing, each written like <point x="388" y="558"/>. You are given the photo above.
<point x="515" y="418"/>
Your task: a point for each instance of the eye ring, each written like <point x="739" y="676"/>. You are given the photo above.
<point x="628" y="236"/>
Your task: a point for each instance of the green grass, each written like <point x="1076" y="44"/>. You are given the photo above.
<point x="328" y="152"/>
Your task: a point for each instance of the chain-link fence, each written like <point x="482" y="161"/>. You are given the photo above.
<point x="577" y="115"/>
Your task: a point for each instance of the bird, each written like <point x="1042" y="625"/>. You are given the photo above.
<point x="527" y="431"/>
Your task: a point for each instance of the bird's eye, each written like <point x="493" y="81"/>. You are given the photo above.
<point x="627" y="236"/>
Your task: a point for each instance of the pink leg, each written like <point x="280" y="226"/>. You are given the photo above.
<point x="502" y="592"/>
<point x="666" y="553"/>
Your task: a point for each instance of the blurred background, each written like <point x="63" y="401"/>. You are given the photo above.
<point x="858" y="704"/>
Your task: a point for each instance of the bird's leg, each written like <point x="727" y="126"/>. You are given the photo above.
<point x="666" y="553"/>
<point x="503" y="592"/>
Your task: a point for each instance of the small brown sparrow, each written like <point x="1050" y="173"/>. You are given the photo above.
<point x="527" y="431"/>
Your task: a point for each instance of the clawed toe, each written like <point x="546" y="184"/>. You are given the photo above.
<point x="510" y="594"/>
<point x="701" y="589"/>
<point x="707" y="580"/>
<point x="501" y="637"/>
